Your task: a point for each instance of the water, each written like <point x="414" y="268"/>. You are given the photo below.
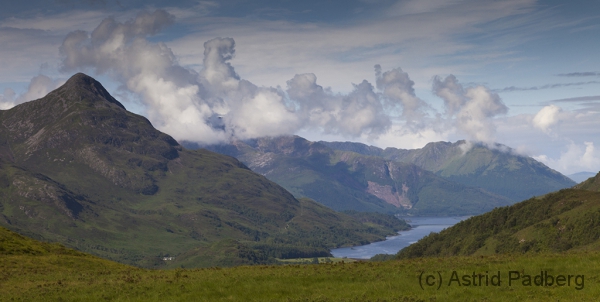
<point x="421" y="227"/>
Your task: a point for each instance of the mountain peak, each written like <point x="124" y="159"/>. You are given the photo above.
<point x="87" y="86"/>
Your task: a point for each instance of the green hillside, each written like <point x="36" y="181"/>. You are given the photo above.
<point x="496" y="169"/>
<point x="77" y="168"/>
<point x="345" y="180"/>
<point x="591" y="184"/>
<point x="12" y="244"/>
<point x="561" y="221"/>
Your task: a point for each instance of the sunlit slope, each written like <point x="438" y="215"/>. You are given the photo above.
<point x="565" y="220"/>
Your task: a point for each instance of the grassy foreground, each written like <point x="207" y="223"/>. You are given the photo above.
<point x="80" y="277"/>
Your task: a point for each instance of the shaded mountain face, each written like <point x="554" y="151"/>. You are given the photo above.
<point x="497" y="170"/>
<point x="77" y="168"/>
<point x="80" y="126"/>
<point x="346" y="180"/>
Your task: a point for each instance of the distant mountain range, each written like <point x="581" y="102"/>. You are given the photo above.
<point x="77" y="168"/>
<point x="440" y="179"/>
<point x="347" y="180"/>
<point x="568" y="219"/>
<point x="497" y="169"/>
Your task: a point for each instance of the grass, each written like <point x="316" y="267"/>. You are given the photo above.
<point x="87" y="278"/>
<point x="325" y="260"/>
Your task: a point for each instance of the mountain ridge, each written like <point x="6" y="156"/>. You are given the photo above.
<point x="345" y="180"/>
<point x="498" y="170"/>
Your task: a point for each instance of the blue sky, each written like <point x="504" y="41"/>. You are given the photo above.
<point x="523" y="73"/>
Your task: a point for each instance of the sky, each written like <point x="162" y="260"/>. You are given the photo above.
<point x="389" y="73"/>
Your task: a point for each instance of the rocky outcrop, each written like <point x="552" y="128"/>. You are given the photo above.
<point x="390" y="195"/>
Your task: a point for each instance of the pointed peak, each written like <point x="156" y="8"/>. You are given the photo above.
<point x="80" y="77"/>
<point x="81" y="81"/>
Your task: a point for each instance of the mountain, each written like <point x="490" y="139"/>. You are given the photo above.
<point x="79" y="169"/>
<point x="581" y="176"/>
<point x="496" y="169"/>
<point x="568" y="219"/>
<point x="345" y="180"/>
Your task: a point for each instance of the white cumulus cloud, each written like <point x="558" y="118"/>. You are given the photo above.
<point x="470" y="109"/>
<point x="214" y="104"/>
<point x="546" y="117"/>
<point x="577" y="158"/>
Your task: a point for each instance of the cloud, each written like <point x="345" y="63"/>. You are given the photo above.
<point x="7" y="99"/>
<point x="170" y="93"/>
<point x="340" y="53"/>
<point x="546" y="117"/>
<point x="579" y="74"/>
<point x="578" y="99"/>
<point x="410" y="7"/>
<point x="472" y="109"/>
<point x="398" y="91"/>
<point x="451" y="92"/>
<point x="548" y="86"/>
<point x="58" y="23"/>
<point x="23" y="51"/>
<point x="577" y="158"/>
<point x="215" y="103"/>
<point x="564" y="146"/>
<point x="466" y="147"/>
<point x="219" y="73"/>
<point x="359" y="112"/>
<point x="30" y="38"/>
<point x="262" y="114"/>
<point x="38" y="87"/>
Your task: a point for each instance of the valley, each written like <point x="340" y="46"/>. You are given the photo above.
<point x="96" y="204"/>
<point x="30" y="270"/>
<point x="420" y="227"/>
